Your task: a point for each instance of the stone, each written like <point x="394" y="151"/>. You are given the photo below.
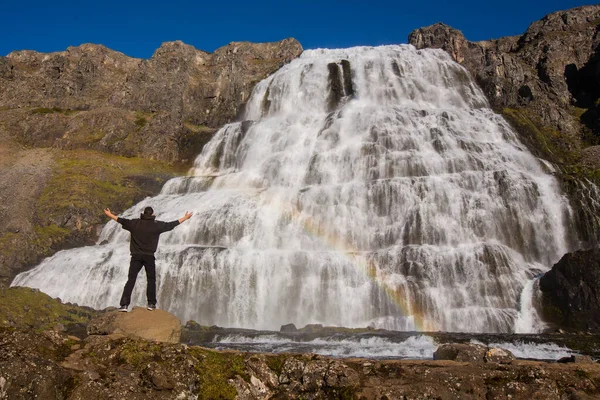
<point x="577" y="359"/>
<point x="497" y="355"/>
<point x="312" y="328"/>
<point x="571" y="291"/>
<point x="158" y="325"/>
<point x="461" y="352"/>
<point x="288" y="328"/>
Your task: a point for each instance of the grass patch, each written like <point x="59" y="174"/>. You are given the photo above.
<point x="45" y="110"/>
<point x="31" y="309"/>
<point x="552" y="145"/>
<point x="275" y="363"/>
<point x="89" y="180"/>
<point x="215" y="369"/>
<point x="139" y="353"/>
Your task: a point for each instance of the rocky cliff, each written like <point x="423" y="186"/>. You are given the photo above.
<point x="546" y="82"/>
<point x="163" y="108"/>
<point x="89" y="128"/>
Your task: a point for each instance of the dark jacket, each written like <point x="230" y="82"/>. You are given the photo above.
<point x="145" y="232"/>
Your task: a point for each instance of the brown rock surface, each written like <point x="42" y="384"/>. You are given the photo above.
<point x="158" y="325"/>
<point x="460" y="352"/>
<point x="42" y="365"/>
<point x="164" y="108"/>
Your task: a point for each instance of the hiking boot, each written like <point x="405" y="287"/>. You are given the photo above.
<point x="123" y="308"/>
<point x="151" y="307"/>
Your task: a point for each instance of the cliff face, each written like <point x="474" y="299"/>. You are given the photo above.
<point x="546" y="69"/>
<point x="89" y="128"/>
<point x="164" y="108"/>
<point x="546" y="82"/>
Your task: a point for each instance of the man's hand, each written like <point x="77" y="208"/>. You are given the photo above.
<point x="109" y="214"/>
<point x="187" y="216"/>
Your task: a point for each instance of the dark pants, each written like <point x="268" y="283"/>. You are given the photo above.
<point x="137" y="262"/>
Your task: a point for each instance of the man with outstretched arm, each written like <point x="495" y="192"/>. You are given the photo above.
<point x="144" y="241"/>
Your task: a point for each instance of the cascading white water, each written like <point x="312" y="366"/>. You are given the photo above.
<point x="367" y="186"/>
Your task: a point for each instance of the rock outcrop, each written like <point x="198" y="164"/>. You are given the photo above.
<point x="164" y="108"/>
<point x="51" y="365"/>
<point x="543" y="69"/>
<point x="571" y="291"/>
<point x="157" y="325"/>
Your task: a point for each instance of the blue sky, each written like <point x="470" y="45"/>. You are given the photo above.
<point x="137" y="28"/>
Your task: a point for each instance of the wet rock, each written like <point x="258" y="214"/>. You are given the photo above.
<point x="460" y="352"/>
<point x="577" y="359"/>
<point x="312" y="328"/>
<point x="156" y="325"/>
<point x="288" y="328"/>
<point x="497" y="355"/>
<point x="571" y="291"/>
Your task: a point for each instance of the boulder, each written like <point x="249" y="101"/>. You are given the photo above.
<point x="571" y="291"/>
<point x="288" y="328"/>
<point x="461" y="352"/>
<point x="577" y="359"/>
<point x="157" y="325"/>
<point x="498" y="355"/>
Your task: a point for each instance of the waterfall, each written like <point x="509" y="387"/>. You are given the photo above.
<point x="364" y="187"/>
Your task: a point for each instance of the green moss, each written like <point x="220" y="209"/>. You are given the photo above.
<point x="29" y="308"/>
<point x="275" y="363"/>
<point x="138" y="353"/>
<point x="44" y="110"/>
<point x="91" y="181"/>
<point x="141" y="122"/>
<point x="215" y="369"/>
<point x="552" y="145"/>
<point x="8" y="243"/>
<point x="345" y="393"/>
<point x="46" y="236"/>
<point x="583" y="374"/>
<point x="197" y="128"/>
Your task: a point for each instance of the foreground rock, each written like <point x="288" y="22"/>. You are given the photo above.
<point x="571" y="291"/>
<point x="53" y="364"/>
<point x="50" y="365"/>
<point x="155" y="325"/>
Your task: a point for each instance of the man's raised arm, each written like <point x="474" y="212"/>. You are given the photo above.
<point x="109" y="214"/>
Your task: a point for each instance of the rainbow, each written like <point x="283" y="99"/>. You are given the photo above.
<point x="368" y="267"/>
